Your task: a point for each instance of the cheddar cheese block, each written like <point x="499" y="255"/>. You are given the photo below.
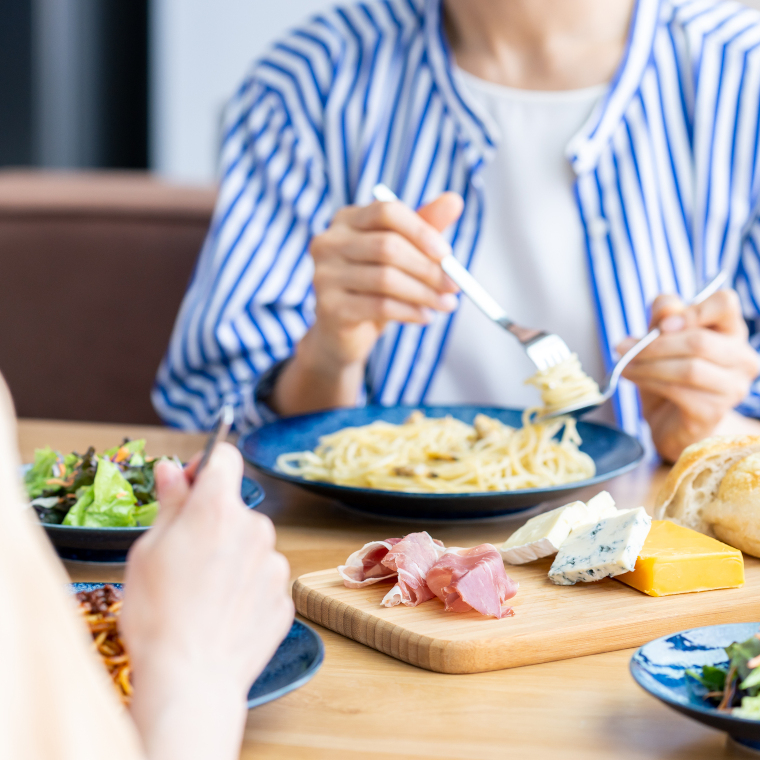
<point x="677" y="560"/>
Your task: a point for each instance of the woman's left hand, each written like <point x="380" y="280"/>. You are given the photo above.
<point x="696" y="372"/>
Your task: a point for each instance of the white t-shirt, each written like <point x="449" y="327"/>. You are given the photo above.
<point x="531" y="255"/>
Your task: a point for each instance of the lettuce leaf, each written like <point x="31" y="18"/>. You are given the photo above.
<point x="712" y="678"/>
<point x="75" y="515"/>
<point x="146" y="514"/>
<point x="107" y="503"/>
<point x="132" y="447"/>
<point x="750" y="708"/>
<point x="740" y="653"/>
<point x="40" y="472"/>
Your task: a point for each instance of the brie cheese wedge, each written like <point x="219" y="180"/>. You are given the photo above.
<point x="604" y="549"/>
<point x="543" y="534"/>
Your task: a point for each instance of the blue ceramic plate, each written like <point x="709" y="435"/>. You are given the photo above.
<point x="659" y="668"/>
<point x="112" y="544"/>
<point x="613" y="451"/>
<point x="295" y="662"/>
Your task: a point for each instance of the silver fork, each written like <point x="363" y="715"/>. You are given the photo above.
<point x="544" y="349"/>
<point x="609" y="387"/>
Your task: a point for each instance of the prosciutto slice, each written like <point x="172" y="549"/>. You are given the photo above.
<point x="411" y="558"/>
<point x="465" y="579"/>
<point x="365" y="566"/>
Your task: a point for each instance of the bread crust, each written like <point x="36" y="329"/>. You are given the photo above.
<point x="734" y="514"/>
<point x="694" y="456"/>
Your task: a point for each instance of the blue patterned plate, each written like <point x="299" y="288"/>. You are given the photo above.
<point x="111" y="545"/>
<point x="659" y="668"/>
<point x="613" y="451"/>
<point x="295" y="662"/>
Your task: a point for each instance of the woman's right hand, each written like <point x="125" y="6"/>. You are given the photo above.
<point x="373" y="265"/>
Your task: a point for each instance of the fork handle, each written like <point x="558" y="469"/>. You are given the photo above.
<point x="713" y="286"/>
<point x="464" y="280"/>
<point x="475" y="291"/>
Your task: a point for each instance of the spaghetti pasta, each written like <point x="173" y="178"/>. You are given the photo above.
<point x="565" y="384"/>
<point x="100" y="609"/>
<point x="446" y="455"/>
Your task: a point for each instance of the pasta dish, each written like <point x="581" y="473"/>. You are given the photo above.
<point x="564" y="384"/>
<point x="446" y="455"/>
<point x="100" y="609"/>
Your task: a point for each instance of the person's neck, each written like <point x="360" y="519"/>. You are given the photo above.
<point x="539" y="44"/>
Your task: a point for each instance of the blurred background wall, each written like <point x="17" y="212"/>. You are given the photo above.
<point x="129" y="83"/>
<point x="201" y="50"/>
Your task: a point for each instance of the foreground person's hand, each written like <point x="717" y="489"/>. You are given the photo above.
<point x="695" y="373"/>
<point x="206" y="604"/>
<point x="375" y="264"/>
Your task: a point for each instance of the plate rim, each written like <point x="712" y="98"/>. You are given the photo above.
<point x="712" y="712"/>
<point x="304" y="678"/>
<point x="296" y="480"/>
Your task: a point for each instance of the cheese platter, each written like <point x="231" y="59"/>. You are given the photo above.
<point x="550" y="622"/>
<point x="581" y="579"/>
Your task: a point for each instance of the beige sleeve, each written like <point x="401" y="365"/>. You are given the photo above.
<point x="56" y="699"/>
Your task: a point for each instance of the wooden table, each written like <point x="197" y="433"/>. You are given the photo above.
<point x="363" y="703"/>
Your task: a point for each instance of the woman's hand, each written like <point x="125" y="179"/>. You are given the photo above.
<point x="696" y="372"/>
<point x="373" y="265"/>
<point x="206" y="604"/>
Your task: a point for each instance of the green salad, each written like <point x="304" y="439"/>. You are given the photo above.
<point x="735" y="686"/>
<point x="116" y="489"/>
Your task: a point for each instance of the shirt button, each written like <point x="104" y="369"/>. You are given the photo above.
<point x="598" y="228"/>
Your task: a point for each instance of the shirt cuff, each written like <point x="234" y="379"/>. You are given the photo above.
<point x="263" y="389"/>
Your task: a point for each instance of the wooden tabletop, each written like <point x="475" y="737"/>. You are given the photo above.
<point x="364" y="703"/>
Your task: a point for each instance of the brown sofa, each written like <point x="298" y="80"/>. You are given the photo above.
<point x="93" y="267"/>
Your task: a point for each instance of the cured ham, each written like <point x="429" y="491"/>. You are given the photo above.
<point x="465" y="579"/>
<point x="365" y="566"/>
<point x="411" y="558"/>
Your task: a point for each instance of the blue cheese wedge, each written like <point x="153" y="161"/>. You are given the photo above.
<point x="603" y="549"/>
<point x="543" y="534"/>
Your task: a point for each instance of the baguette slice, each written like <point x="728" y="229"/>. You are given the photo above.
<point x="694" y="481"/>
<point x="735" y="514"/>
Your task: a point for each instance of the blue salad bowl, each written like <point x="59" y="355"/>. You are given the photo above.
<point x="660" y="666"/>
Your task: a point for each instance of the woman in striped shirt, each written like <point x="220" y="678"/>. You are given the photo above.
<point x="581" y="157"/>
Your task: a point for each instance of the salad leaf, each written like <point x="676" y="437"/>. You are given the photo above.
<point x="740" y="653"/>
<point x="130" y="447"/>
<point x="750" y="708"/>
<point x="108" y="503"/>
<point x="143" y="481"/>
<point x="751" y="681"/>
<point x="40" y="472"/>
<point x="712" y="678"/>
<point x="146" y="514"/>
<point x="75" y="515"/>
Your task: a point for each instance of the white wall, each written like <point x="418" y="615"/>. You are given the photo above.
<point x="200" y="50"/>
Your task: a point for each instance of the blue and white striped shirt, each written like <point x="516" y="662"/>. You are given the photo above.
<point x="667" y="184"/>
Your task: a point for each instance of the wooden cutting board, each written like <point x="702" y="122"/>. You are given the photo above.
<point x="550" y="622"/>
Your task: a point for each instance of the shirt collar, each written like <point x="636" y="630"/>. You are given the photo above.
<point x="584" y="149"/>
<point x="479" y="139"/>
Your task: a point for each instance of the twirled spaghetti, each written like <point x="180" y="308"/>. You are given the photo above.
<point x="446" y="455"/>
<point x="565" y="384"/>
